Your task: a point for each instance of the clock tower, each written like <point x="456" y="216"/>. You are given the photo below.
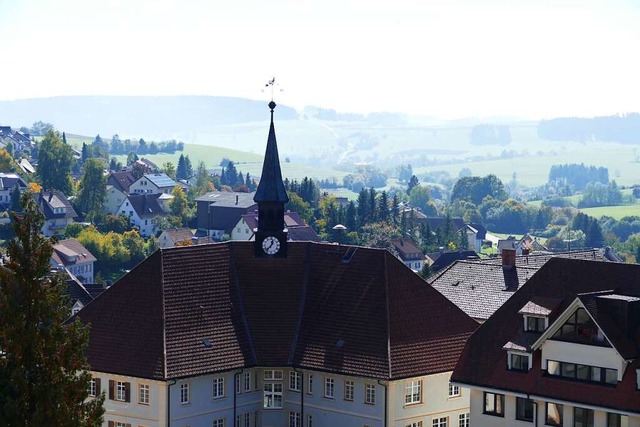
<point x="271" y="196"/>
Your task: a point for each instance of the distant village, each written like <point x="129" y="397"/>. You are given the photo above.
<point x="215" y="298"/>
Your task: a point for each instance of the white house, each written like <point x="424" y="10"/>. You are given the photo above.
<point x="8" y="182"/>
<point x="57" y="210"/>
<point x="69" y="254"/>
<point x="563" y="351"/>
<point x="143" y="210"/>
<point x="153" y="183"/>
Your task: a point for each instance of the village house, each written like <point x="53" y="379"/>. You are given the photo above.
<point x="219" y="211"/>
<point x="175" y="236"/>
<point x="409" y="253"/>
<point x="8" y="183"/>
<point x="80" y="294"/>
<point x="70" y="255"/>
<point x="144" y="209"/>
<point x="57" y="211"/>
<point x="562" y="351"/>
<point x="297" y="229"/>
<point x="275" y="333"/>
<point x="153" y="183"/>
<point x="480" y="288"/>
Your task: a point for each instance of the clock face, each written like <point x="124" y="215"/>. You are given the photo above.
<point x="270" y="245"/>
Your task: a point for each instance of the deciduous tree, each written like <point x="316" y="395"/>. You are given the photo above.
<point x="54" y="163"/>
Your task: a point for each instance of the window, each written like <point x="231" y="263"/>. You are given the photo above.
<point x="494" y="404"/>
<point x="94" y="388"/>
<point x="328" y="387"/>
<point x="370" y="394"/>
<point x="582" y="417"/>
<point x="272" y="375"/>
<point x="524" y="409"/>
<point x="247" y="381"/>
<point x="617" y="420"/>
<point x="454" y="390"/>
<point x="440" y="422"/>
<point x="218" y="387"/>
<point x="349" y="390"/>
<point x="295" y="380"/>
<point x="534" y="324"/>
<point x="121" y="392"/>
<point x="309" y="420"/>
<point x="310" y="384"/>
<point x="218" y="423"/>
<point x="184" y="393"/>
<point x="413" y="392"/>
<point x="247" y="419"/>
<point x="238" y="388"/>
<point x="518" y="362"/>
<point x="294" y="419"/>
<point x="576" y="371"/>
<point x="143" y="394"/>
<point x="414" y="424"/>
<point x="463" y="420"/>
<point x="581" y="328"/>
<point x="554" y="414"/>
<point x="273" y="395"/>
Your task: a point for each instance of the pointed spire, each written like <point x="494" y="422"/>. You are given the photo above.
<point x="271" y="188"/>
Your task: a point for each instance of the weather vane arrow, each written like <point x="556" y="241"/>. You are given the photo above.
<point x="271" y="83"/>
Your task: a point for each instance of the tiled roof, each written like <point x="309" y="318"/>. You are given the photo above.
<point x="121" y="180"/>
<point x="303" y="233"/>
<point x="9" y="180"/>
<point x="146" y="205"/>
<point x="297" y="229"/>
<point x="407" y="249"/>
<point x="445" y="258"/>
<point x="370" y="316"/>
<point x="49" y="200"/>
<point x="481" y="287"/>
<point x="70" y="252"/>
<point x="178" y="234"/>
<point x="228" y="199"/>
<point x="483" y="362"/>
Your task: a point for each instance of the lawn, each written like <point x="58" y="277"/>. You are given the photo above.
<point x="616" y="212"/>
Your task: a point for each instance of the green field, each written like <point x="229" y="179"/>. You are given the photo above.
<point x="616" y="212"/>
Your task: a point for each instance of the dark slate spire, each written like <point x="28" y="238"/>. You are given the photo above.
<point x="271" y="187"/>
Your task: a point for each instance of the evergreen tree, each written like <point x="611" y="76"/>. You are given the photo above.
<point x="413" y="181"/>
<point x="44" y="374"/>
<point x="383" y="207"/>
<point x="372" y="204"/>
<point x="240" y="178"/>
<point x="85" y="152"/>
<point x="64" y="138"/>
<point x="232" y="175"/>
<point x="181" y="171"/>
<point x="15" y="199"/>
<point x="363" y="208"/>
<point x="351" y="220"/>
<point x="395" y="209"/>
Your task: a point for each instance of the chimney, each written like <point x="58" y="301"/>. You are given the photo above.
<point x="508" y="258"/>
<point x="237" y="197"/>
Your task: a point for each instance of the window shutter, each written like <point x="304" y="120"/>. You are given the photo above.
<point x="127" y="392"/>
<point x="112" y="424"/>
<point x="112" y="386"/>
<point x="98" y="389"/>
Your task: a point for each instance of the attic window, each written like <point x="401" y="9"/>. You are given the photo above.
<point x="519" y="361"/>
<point x="580" y="328"/>
<point x="535" y="323"/>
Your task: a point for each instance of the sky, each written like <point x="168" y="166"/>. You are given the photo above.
<point x="448" y="59"/>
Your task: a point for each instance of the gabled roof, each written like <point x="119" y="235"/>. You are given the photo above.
<point x="70" y="252"/>
<point x="9" y="180"/>
<point x="83" y="292"/>
<point x="26" y="166"/>
<point x="369" y="316"/>
<point x="121" y="180"/>
<point x="49" y="200"/>
<point x="297" y="229"/>
<point x="178" y="234"/>
<point x="442" y="259"/>
<point x="228" y="199"/>
<point x="483" y="362"/>
<point x="479" y="229"/>
<point x="407" y="249"/>
<point x="481" y="287"/>
<point x="160" y="180"/>
<point x="146" y="205"/>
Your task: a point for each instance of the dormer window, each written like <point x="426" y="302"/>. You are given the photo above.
<point x="580" y="328"/>
<point x="519" y="361"/>
<point x="535" y="323"/>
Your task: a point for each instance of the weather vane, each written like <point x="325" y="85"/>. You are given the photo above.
<point x="273" y="84"/>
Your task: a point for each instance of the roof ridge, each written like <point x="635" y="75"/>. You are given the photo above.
<point x="234" y="273"/>
<point x="386" y="306"/>
<point x="164" y="325"/>
<point x="303" y="300"/>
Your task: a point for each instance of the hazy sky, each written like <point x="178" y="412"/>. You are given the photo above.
<point x="535" y="58"/>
